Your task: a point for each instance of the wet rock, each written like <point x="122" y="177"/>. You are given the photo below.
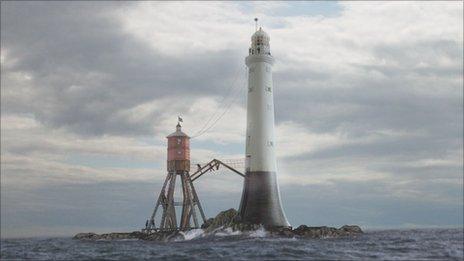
<point x="85" y="236"/>
<point x="226" y="218"/>
<point x="230" y="220"/>
<point x="164" y="236"/>
<point x="315" y="232"/>
<point x="353" y="229"/>
<point x="282" y="232"/>
<point x="110" y="236"/>
<point x="321" y="232"/>
<point x="207" y="223"/>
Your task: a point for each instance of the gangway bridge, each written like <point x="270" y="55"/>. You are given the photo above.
<point x="233" y="165"/>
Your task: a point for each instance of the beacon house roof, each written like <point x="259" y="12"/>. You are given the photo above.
<point x="178" y="132"/>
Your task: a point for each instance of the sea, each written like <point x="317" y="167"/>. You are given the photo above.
<point x="411" y="244"/>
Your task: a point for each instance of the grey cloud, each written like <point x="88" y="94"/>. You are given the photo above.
<point x="408" y="148"/>
<point x="86" y="70"/>
<point x="364" y="106"/>
<point x="393" y="102"/>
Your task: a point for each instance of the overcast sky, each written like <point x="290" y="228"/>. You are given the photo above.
<point x="368" y="105"/>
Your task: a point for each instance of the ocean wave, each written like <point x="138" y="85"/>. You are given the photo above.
<point x="226" y="244"/>
<point x="192" y="234"/>
<point x="260" y="232"/>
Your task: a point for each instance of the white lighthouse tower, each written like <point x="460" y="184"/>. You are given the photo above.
<point x="260" y="203"/>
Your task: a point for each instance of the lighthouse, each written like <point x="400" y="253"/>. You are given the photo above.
<point x="261" y="203"/>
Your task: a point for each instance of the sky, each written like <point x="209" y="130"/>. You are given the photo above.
<point x="368" y="106"/>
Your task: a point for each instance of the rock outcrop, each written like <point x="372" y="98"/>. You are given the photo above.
<point x="318" y="232"/>
<point x="229" y="220"/>
<point x="110" y="236"/>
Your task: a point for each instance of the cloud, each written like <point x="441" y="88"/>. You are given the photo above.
<point x="27" y="136"/>
<point x="82" y="85"/>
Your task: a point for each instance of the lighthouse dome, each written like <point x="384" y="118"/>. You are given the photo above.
<point x="260" y="43"/>
<point x="260" y="35"/>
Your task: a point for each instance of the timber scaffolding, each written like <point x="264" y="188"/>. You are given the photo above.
<point x="190" y="203"/>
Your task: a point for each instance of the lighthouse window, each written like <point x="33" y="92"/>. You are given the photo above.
<point x="250" y="88"/>
<point x="179" y="141"/>
<point x="252" y="69"/>
<point x="179" y="152"/>
<point x="268" y="89"/>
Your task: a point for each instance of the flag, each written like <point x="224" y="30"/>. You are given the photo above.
<point x="179" y="119"/>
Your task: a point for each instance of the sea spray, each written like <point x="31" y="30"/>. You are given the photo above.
<point x="260" y="232"/>
<point x="226" y="232"/>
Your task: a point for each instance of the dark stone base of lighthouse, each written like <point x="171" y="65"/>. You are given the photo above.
<point x="261" y="202"/>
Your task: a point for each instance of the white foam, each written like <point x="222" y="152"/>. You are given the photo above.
<point x="192" y="234"/>
<point x="227" y="232"/>
<point x="221" y="232"/>
<point x="260" y="232"/>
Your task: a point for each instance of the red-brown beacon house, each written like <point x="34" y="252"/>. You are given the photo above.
<point x="178" y="151"/>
